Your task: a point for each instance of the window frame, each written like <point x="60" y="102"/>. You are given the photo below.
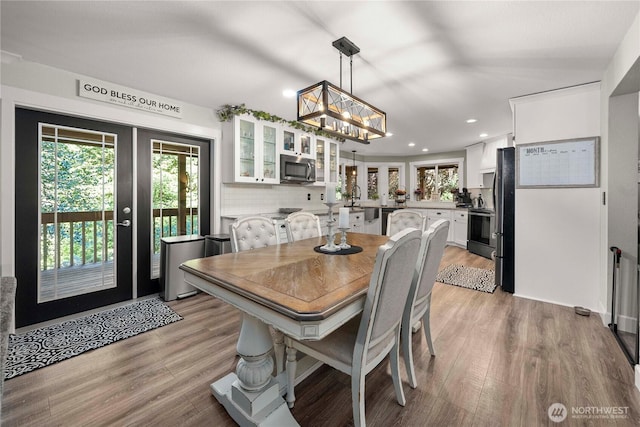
<point x="383" y="175"/>
<point x="413" y="167"/>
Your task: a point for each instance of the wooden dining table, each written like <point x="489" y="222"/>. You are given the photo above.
<point x="287" y="289"/>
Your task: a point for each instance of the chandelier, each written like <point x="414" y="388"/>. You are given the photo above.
<point x="328" y="107"/>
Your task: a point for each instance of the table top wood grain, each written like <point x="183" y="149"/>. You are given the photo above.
<point x="292" y="278"/>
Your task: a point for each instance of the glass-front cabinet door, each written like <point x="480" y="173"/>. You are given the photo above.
<point x="327" y="161"/>
<point x="306" y="145"/>
<point x="255" y="153"/>
<point x="332" y="166"/>
<point x="270" y="160"/>
<point x="246" y="150"/>
<point x="288" y="142"/>
<point x="298" y="143"/>
<point x="320" y="164"/>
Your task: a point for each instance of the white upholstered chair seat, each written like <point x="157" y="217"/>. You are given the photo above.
<point x="361" y="344"/>
<point x="400" y="219"/>
<point x="302" y="225"/>
<point x="418" y="306"/>
<point x="253" y="232"/>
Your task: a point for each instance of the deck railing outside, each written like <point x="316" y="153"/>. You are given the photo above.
<point x="81" y="238"/>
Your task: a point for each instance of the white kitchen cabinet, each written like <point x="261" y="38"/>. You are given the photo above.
<point x="474" y="159"/>
<point x="298" y="143"/>
<point x="373" y="226"/>
<point x="460" y="220"/>
<point x="327" y="160"/>
<point x="434" y="215"/>
<point x="356" y="222"/>
<point x="488" y="162"/>
<point x="250" y="151"/>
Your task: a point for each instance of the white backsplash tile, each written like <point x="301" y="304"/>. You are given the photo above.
<point x="255" y="199"/>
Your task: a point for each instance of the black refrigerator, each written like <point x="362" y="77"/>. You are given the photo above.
<point x="504" y="193"/>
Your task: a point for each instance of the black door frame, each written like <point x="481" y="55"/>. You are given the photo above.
<point x="146" y="285"/>
<point x="28" y="311"/>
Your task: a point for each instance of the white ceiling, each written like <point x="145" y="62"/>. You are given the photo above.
<point x="430" y="65"/>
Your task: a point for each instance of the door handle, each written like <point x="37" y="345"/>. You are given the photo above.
<point x="125" y="223"/>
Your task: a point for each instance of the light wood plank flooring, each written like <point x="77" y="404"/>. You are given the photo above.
<point x="501" y="361"/>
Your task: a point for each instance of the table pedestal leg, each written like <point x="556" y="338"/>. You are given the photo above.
<point x="252" y="395"/>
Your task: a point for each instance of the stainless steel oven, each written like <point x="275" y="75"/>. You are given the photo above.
<point x="481" y="232"/>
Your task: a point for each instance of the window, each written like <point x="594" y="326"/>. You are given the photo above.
<point x="372" y="183"/>
<point x="436" y="180"/>
<point x="394" y="182"/>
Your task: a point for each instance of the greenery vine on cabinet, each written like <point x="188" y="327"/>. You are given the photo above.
<point x="227" y="112"/>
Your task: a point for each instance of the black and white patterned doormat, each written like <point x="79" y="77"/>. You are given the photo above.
<point x="45" y="346"/>
<point x="479" y="279"/>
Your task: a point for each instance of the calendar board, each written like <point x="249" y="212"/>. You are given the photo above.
<point x="565" y="163"/>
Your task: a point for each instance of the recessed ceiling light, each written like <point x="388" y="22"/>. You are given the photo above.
<point x="484" y="135"/>
<point x="472" y="120"/>
<point x="288" y="93"/>
<point x="412" y="144"/>
<point x="425" y="149"/>
<point x="388" y="134"/>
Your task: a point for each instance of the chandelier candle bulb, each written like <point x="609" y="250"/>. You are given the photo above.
<point x="331" y="192"/>
<point x="343" y="219"/>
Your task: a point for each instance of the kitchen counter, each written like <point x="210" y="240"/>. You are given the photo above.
<point x="361" y="208"/>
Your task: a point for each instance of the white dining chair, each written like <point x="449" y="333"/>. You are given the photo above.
<point x="418" y="305"/>
<point x="252" y="232"/>
<point x="361" y="344"/>
<point x="302" y="225"/>
<point x="404" y="218"/>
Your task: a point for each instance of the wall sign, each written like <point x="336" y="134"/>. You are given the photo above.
<point x="565" y="163"/>
<point x="120" y="95"/>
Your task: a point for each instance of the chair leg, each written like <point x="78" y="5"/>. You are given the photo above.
<point x="357" y="396"/>
<point x="427" y="329"/>
<point x="407" y="354"/>
<point x="291" y="375"/>
<point x="395" y="373"/>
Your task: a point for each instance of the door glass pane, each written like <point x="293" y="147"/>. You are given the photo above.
<point x="175" y="199"/>
<point x="77" y="180"/>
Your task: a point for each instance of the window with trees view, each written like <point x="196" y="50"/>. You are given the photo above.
<point x="436" y="181"/>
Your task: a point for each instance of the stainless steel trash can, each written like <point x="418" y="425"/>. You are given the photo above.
<point x="173" y="252"/>
<point x="217" y="244"/>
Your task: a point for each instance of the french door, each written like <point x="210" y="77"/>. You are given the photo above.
<point x="174" y="196"/>
<point x="73" y="215"/>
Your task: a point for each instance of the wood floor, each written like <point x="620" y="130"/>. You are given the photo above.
<point x="501" y="361"/>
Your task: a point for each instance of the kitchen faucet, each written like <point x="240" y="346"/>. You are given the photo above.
<point x="355" y="194"/>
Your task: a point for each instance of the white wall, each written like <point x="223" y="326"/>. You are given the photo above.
<point x="557" y="231"/>
<point x="44" y="88"/>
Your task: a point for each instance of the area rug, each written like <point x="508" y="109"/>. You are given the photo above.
<point x="479" y="279"/>
<point x="45" y="346"/>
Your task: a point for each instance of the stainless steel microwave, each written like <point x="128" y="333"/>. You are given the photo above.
<point x="297" y="169"/>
